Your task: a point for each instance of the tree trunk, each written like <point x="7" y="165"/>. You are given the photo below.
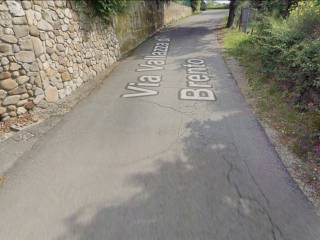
<point x="232" y="12"/>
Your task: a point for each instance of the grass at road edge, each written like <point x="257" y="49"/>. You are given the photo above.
<point x="271" y="105"/>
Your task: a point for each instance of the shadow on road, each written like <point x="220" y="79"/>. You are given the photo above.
<point x="207" y="191"/>
<point x="193" y="196"/>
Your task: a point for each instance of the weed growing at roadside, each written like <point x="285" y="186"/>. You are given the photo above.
<point x="278" y="103"/>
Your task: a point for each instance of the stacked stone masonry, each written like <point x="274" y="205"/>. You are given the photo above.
<point x="49" y="48"/>
<point x="47" y="52"/>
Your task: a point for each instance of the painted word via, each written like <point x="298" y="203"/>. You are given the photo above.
<point x="153" y="62"/>
<point x="199" y="87"/>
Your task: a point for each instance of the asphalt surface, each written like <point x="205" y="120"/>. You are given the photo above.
<point x="158" y="166"/>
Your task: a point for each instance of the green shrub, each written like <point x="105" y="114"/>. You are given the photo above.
<point x="282" y="61"/>
<point x="106" y="8"/>
<point x="289" y="51"/>
<point x="196" y="4"/>
<point x="305" y="26"/>
<point x="217" y="5"/>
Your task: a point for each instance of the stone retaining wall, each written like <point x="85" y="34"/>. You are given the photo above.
<point x="141" y="19"/>
<point x="49" y="48"/>
<point x="174" y="11"/>
<point x="144" y="17"/>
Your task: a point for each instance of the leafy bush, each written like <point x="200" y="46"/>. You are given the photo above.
<point x="109" y="7"/>
<point x="275" y="7"/>
<point x="106" y="8"/>
<point x="282" y="62"/>
<point x="303" y="7"/>
<point x="217" y="5"/>
<point x="196" y="4"/>
<point x="289" y="51"/>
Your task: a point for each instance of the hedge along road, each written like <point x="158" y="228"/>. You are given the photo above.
<point x="167" y="148"/>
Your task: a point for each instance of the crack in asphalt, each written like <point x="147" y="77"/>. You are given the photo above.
<point x="248" y="169"/>
<point x="260" y="207"/>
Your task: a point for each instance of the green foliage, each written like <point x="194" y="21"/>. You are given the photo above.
<point x="237" y="43"/>
<point x="216" y="5"/>
<point x="281" y="57"/>
<point x="273" y="100"/>
<point x="106" y="8"/>
<point x="301" y="7"/>
<point x="109" y="7"/>
<point x="196" y="4"/>
<point x="289" y="51"/>
<point x="271" y="6"/>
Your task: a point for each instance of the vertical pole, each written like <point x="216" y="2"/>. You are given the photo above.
<point x="245" y="15"/>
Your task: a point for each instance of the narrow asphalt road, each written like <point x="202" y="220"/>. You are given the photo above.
<point x="166" y="149"/>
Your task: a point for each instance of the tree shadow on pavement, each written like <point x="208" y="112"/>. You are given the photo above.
<point x="205" y="192"/>
<point x="197" y="195"/>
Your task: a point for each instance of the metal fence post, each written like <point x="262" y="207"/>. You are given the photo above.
<point x="244" y="18"/>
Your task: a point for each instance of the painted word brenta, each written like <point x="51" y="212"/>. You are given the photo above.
<point x="198" y="82"/>
<point x="153" y="62"/>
